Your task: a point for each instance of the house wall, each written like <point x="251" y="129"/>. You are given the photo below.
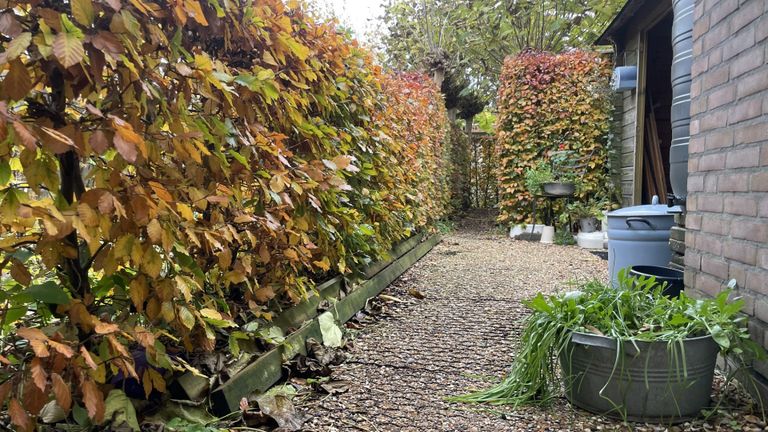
<point x="727" y="219"/>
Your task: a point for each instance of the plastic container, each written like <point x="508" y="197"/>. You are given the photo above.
<point x="639" y="235"/>
<point x="673" y="278"/>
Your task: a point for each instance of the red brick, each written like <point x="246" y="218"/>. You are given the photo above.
<point x="690" y="239"/>
<point x="707" y="284"/>
<point x="693" y="201"/>
<point x="745" y="110"/>
<point x="694" y="127"/>
<point x="692" y="259"/>
<point x="746" y="62"/>
<point x="762" y="257"/>
<point x="719" y="139"/>
<point x="693" y="163"/>
<point x="698" y="66"/>
<point x="714" y="120"/>
<point x="722" y="9"/>
<point x="741" y="205"/>
<point x="718" y="32"/>
<point x="748" y="134"/>
<point x="695" y="183"/>
<point x="764" y="155"/>
<point x="738" y="272"/>
<point x="714" y="77"/>
<point x="758" y="182"/>
<point x="709" y="243"/>
<point x="689" y="279"/>
<point x="751" y="84"/>
<point x="697" y="144"/>
<point x="756" y="231"/>
<point x="762" y="28"/>
<point x="740" y="251"/>
<point x="757" y="281"/>
<point x="749" y="302"/>
<point x="715" y="266"/>
<point x="700" y="27"/>
<point x="714" y="225"/>
<point x="710" y="182"/>
<point x="746" y="14"/>
<point x="712" y="162"/>
<point x="692" y="222"/>
<point x="721" y="97"/>
<point x="763" y="207"/>
<point x="710" y="203"/>
<point x="739" y="42"/>
<point x="743" y="158"/>
<point x="733" y="182"/>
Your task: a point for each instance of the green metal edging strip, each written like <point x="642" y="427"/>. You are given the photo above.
<point x="267" y="369"/>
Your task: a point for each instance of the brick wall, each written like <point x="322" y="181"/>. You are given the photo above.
<point x="727" y="218"/>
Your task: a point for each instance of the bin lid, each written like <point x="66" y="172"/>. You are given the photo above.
<point x="654" y="209"/>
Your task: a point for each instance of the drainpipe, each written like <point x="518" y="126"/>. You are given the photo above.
<point x="682" y="51"/>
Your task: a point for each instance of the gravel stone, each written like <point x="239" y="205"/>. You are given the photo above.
<point x="462" y="336"/>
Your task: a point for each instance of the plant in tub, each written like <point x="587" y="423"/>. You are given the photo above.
<point x="631" y="322"/>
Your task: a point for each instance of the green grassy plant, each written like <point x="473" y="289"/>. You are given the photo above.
<point x="635" y="311"/>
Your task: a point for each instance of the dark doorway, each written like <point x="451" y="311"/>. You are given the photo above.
<point x="658" y="100"/>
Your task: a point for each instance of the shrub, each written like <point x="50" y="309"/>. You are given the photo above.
<point x="551" y="103"/>
<point x="172" y="170"/>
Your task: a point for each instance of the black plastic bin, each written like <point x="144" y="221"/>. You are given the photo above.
<point x="673" y="278"/>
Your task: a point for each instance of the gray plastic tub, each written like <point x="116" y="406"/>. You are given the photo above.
<point x="648" y="384"/>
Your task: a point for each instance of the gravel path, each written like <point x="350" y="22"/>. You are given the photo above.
<point x="460" y="336"/>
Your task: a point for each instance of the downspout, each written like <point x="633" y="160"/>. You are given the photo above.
<point x="680" y="116"/>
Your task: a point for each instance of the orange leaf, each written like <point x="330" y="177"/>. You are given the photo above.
<point x="62" y="349"/>
<point x="5" y="390"/>
<point x="93" y="399"/>
<point x="88" y="359"/>
<point x="126" y="149"/>
<point x="105" y="328"/>
<point x="19" y="416"/>
<point x="61" y="391"/>
<point x="39" y="376"/>
<point x="161" y="191"/>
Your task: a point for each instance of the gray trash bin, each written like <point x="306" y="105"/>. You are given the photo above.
<point x="639" y="235"/>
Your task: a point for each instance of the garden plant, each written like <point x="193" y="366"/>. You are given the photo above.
<point x="173" y="173"/>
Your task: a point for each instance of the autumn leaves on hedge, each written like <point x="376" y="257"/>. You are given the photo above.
<point x="551" y="102"/>
<point x="170" y="170"/>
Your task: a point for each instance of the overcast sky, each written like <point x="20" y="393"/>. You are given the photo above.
<point x="359" y="15"/>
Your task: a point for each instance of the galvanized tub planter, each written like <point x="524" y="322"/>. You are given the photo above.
<point x="655" y="382"/>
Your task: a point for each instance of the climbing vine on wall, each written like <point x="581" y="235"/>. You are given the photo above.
<point x="171" y="170"/>
<point x="549" y="102"/>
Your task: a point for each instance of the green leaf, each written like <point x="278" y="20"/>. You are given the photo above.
<point x="120" y="409"/>
<point x="5" y="173"/>
<point x="82" y="10"/>
<point x="186" y="317"/>
<point x="17" y="46"/>
<point x="48" y="292"/>
<point x="720" y="337"/>
<point x="330" y="331"/>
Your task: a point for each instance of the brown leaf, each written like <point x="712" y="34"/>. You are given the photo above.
<point x="17" y="83"/>
<point x="62" y="349"/>
<point x="138" y="291"/>
<point x="39" y="376"/>
<point x="19" y="416"/>
<point x="155" y="231"/>
<point x="93" y="399"/>
<point x="161" y="191"/>
<point x="68" y="49"/>
<point x="98" y="141"/>
<point x="31" y="334"/>
<point x="20" y="274"/>
<point x="114" y="4"/>
<point x="88" y="359"/>
<point x="29" y="140"/>
<point x="5" y="390"/>
<point x="126" y="149"/>
<point x="34" y="399"/>
<point x="9" y="25"/>
<point x="61" y="391"/>
<point x="105" y="328"/>
<point x="108" y="43"/>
